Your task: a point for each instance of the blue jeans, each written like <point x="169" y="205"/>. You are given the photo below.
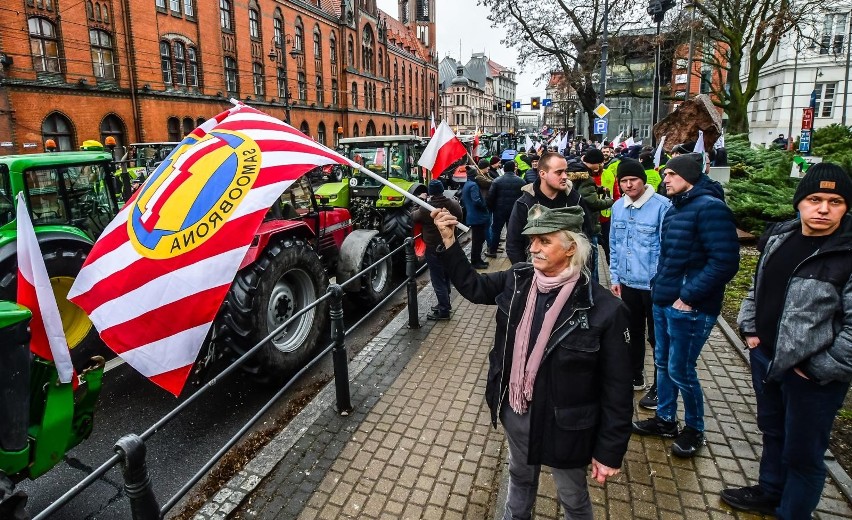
<point x="594" y="241"/>
<point x="680" y="335"/>
<point x="795" y="416"/>
<point x="440" y="281"/>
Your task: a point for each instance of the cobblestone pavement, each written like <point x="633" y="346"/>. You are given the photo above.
<point x="419" y="443"/>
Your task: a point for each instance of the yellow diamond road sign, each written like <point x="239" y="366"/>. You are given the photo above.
<point x="601" y="110"/>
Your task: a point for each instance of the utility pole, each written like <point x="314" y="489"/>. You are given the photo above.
<point x="657" y="9"/>
<point x="604" y="52"/>
<point x="846" y="78"/>
<point x="793" y="100"/>
<point x="691" y="53"/>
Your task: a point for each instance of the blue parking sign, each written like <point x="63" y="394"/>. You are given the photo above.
<point x="600" y="126"/>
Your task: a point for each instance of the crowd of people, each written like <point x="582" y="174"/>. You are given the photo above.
<point x="568" y="351"/>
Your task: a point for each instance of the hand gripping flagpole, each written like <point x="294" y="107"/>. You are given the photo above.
<point x="412" y="198"/>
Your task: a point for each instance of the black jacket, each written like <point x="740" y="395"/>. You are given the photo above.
<point x="504" y="192"/>
<point x="431" y="235"/>
<point x="516" y="243"/>
<point x="582" y="400"/>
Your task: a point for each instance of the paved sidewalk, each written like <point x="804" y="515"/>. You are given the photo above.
<point x="419" y="443"/>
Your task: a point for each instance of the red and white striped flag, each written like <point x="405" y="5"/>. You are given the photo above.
<point x="443" y="150"/>
<point x="432" y="126"/>
<point x="158" y="274"/>
<point x="35" y="293"/>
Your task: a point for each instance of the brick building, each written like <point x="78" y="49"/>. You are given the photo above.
<point x="151" y="70"/>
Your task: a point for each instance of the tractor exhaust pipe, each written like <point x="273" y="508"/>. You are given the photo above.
<point x="14" y="376"/>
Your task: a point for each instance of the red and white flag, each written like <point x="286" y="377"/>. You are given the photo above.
<point x="475" y="147"/>
<point x="158" y="274"/>
<point x="443" y="150"/>
<point x="35" y="292"/>
<point x="432" y="126"/>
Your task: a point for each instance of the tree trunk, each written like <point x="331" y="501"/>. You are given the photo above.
<point x="737" y="119"/>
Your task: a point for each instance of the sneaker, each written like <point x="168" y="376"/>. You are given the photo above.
<point x="656" y="426"/>
<point x="688" y="442"/>
<point x="639" y="383"/>
<point x="481" y="265"/>
<point x="649" y="402"/>
<point x="751" y="498"/>
<point x="437" y="316"/>
<point x="489" y="254"/>
<point x="436" y="308"/>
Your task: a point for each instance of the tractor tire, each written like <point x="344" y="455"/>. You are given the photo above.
<point x="397" y="226"/>
<point x="63" y="262"/>
<point x="286" y="278"/>
<point x="376" y="284"/>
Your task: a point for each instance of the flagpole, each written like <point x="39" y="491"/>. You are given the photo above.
<point x="412" y="198"/>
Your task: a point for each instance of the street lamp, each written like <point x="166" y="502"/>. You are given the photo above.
<point x="276" y="55"/>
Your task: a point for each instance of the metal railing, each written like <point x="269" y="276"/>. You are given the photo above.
<point x="131" y="450"/>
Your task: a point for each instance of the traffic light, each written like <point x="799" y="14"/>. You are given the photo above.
<point x="658" y="8"/>
<point x="535" y="103"/>
<point x="508" y="106"/>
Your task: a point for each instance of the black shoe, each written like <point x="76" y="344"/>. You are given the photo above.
<point x="489" y="254"/>
<point x="481" y="265"/>
<point x="437" y="308"/>
<point x="751" y="498"/>
<point x="688" y="442"/>
<point x="656" y="426"/>
<point x="437" y="316"/>
<point x="649" y="402"/>
<point x="639" y="383"/>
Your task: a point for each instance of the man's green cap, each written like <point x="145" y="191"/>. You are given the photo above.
<point x="542" y="220"/>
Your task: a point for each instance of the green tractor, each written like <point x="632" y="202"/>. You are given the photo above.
<point x="40" y="419"/>
<point x="72" y="198"/>
<point x="373" y="205"/>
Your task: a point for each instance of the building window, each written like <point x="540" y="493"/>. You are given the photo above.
<point x="90" y="10"/>
<point x="303" y="86"/>
<point x="299" y="38"/>
<point x="350" y="52"/>
<point x="230" y="74"/>
<point x="281" y="76"/>
<point x="332" y="48"/>
<point x="770" y="104"/>
<point x="354" y="94"/>
<point x="166" y="62"/>
<point x="173" y="128"/>
<point x="335" y="95"/>
<point x="833" y="32"/>
<point x="192" y="71"/>
<point x="225" y="15"/>
<point x="254" y="24"/>
<point x="645" y="132"/>
<point x="367" y="50"/>
<point x="825" y="99"/>
<point x="381" y="62"/>
<point x="44" y="45"/>
<point x="278" y="29"/>
<point x="161" y="4"/>
<point x="174" y="5"/>
<point x="188" y="126"/>
<point x="317" y="43"/>
<point x="180" y="63"/>
<point x="188" y="8"/>
<point x="111" y="125"/>
<point x="257" y="78"/>
<point x="320" y="93"/>
<point x="59" y="128"/>
<point x="355" y="130"/>
<point x="321" y="134"/>
<point x="103" y="59"/>
<point x="305" y="129"/>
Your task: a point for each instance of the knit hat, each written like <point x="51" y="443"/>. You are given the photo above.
<point x="631" y="168"/>
<point x="542" y="220"/>
<point x="824" y="178"/>
<point x="494" y="160"/>
<point x="436" y="187"/>
<point x="687" y="166"/>
<point x="593" y="156"/>
<point x="509" y="166"/>
<point x="483" y="163"/>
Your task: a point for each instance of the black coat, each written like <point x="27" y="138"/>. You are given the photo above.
<point x="582" y="400"/>
<point x="503" y="194"/>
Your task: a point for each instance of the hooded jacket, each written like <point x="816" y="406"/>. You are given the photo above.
<point x="635" y="238"/>
<point x="474" y="203"/>
<point x="431" y="235"/>
<point x="582" y="399"/>
<point x="815" y="328"/>
<point x="699" y="250"/>
<point x="579" y="175"/>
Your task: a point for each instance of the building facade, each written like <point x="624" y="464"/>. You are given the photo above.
<point x="475" y="95"/>
<point x="152" y="70"/>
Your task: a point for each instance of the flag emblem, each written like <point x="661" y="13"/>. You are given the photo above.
<point x="193" y="193"/>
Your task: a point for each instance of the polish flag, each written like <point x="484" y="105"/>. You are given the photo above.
<point x="432" y="126"/>
<point x="35" y="292"/>
<point x="443" y="150"/>
<point x="476" y="144"/>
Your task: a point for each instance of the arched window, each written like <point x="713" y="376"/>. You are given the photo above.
<point x="320" y="93"/>
<point x="278" y="28"/>
<point x="335" y="93"/>
<point x="303" y="86"/>
<point x="173" y="128"/>
<point x="281" y="76"/>
<point x="317" y="43"/>
<point x="355" y="131"/>
<point x="371" y="127"/>
<point x="226" y="16"/>
<point x="188" y="126"/>
<point x="192" y="71"/>
<point x="230" y="74"/>
<point x="90" y="10"/>
<point x="354" y="95"/>
<point x="321" y="134"/>
<point x="332" y="48"/>
<point x="103" y="59"/>
<point x="200" y="121"/>
<point x="403" y="130"/>
<point x="334" y="130"/>
<point x="299" y="36"/>
<point x="112" y="126"/>
<point x="367" y="43"/>
<point x="257" y="78"/>
<point x="305" y="129"/>
<point x="104" y="13"/>
<point x="59" y="128"/>
<point x="254" y="23"/>
<point x="381" y="62"/>
<point x="180" y="63"/>
<point x="44" y="45"/>
<point x="384" y="129"/>
<point x="166" y="62"/>
<point x="350" y="52"/>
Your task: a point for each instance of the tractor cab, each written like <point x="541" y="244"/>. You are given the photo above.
<point x="392" y="157"/>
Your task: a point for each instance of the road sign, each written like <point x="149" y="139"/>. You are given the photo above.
<point x="601" y="110"/>
<point x="516" y="104"/>
<point x="546" y="102"/>
<point x="600" y="126"/>
<point x="807" y="118"/>
<point x="805" y="141"/>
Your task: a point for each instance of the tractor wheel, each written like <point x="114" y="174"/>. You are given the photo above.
<point x="397" y="225"/>
<point x="287" y="278"/>
<point x="63" y="263"/>
<point x="376" y="284"/>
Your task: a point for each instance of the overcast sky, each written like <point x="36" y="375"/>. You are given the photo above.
<point x="465" y="22"/>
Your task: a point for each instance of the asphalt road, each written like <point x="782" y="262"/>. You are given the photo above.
<point x="130" y="404"/>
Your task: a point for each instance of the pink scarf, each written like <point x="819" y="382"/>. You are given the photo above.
<point x="522" y="377"/>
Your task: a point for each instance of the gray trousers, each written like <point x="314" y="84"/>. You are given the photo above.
<point x="571" y="484"/>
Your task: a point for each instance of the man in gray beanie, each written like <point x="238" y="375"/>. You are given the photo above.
<point x="797" y="323"/>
